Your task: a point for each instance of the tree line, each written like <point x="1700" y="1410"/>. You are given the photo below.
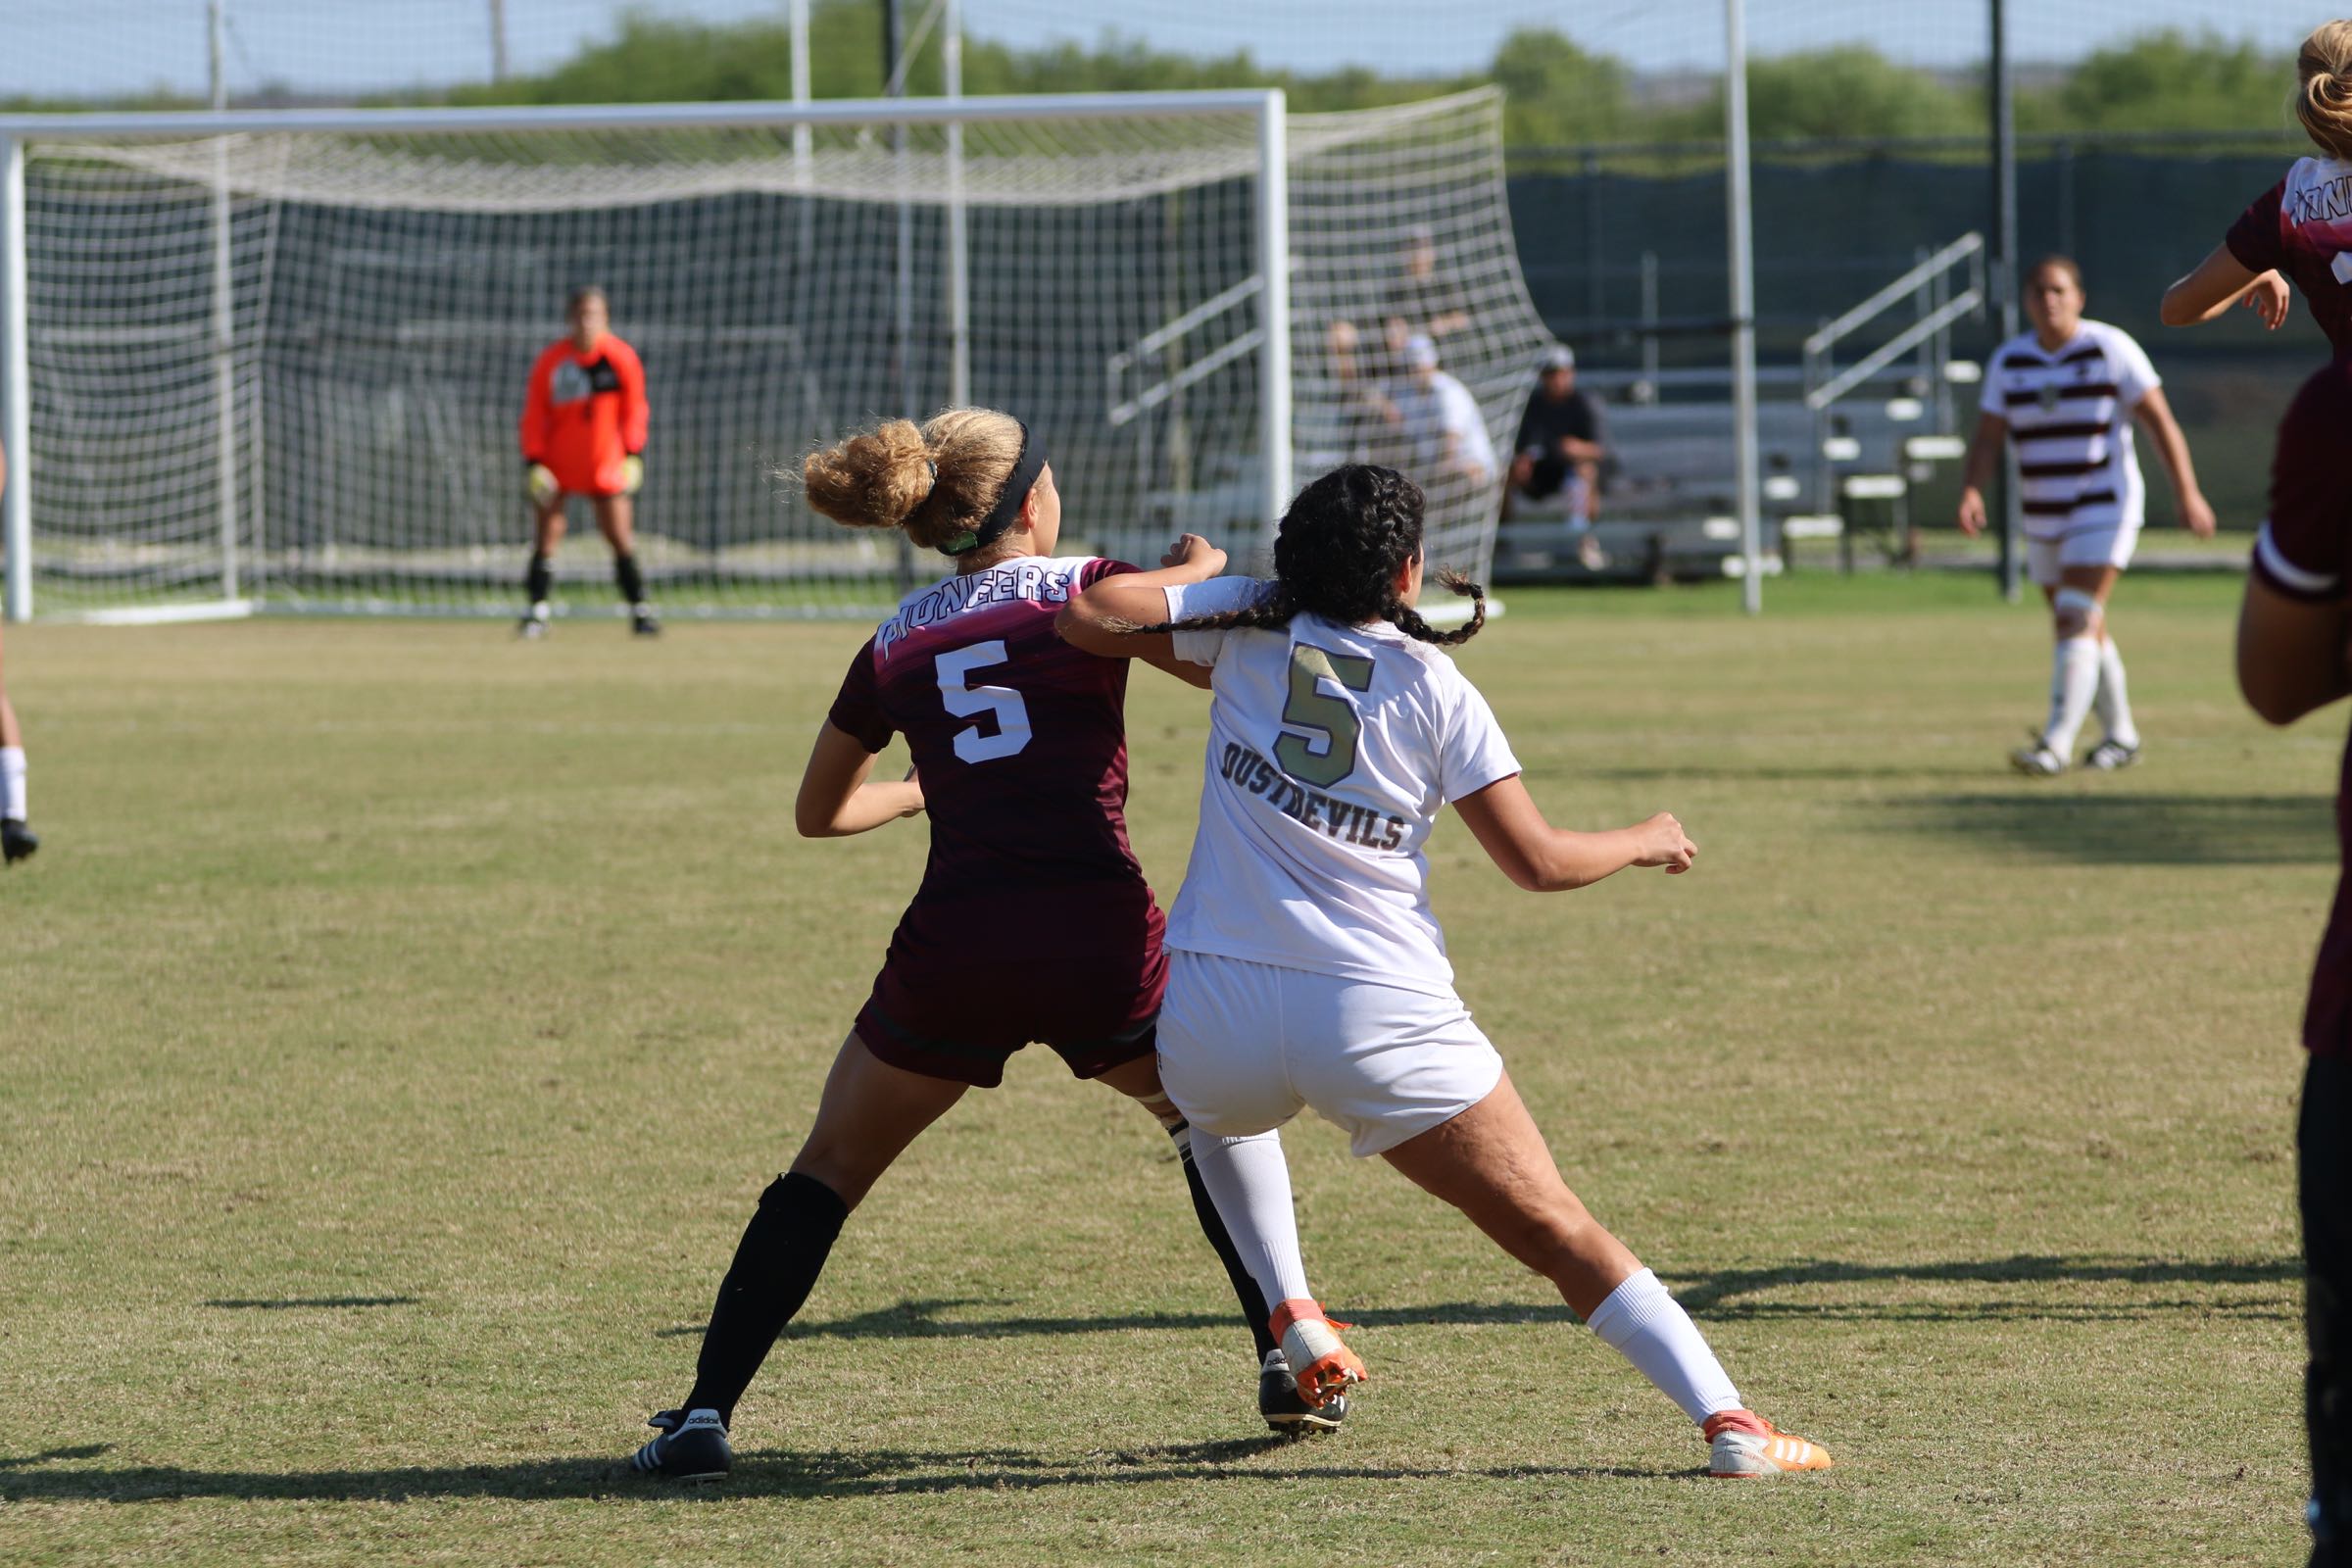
<point x="1557" y="93"/>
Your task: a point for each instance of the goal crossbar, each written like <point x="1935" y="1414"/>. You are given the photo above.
<point x="165" y="124"/>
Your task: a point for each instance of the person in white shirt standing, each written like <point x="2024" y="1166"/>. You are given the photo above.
<point x="1308" y="969"/>
<point x="2068" y="393"/>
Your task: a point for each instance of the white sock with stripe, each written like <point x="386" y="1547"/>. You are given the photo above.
<point x="1251" y="1183"/>
<point x="1643" y="1323"/>
<point x="2114" y="703"/>
<point x="12" y="782"/>
<point x="2074" y="684"/>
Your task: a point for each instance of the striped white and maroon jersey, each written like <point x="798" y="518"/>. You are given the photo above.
<point x="2069" y="415"/>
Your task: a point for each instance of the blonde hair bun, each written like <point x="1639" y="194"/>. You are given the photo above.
<point x="2324" y="99"/>
<point x="937" y="482"/>
<point x="875" y="480"/>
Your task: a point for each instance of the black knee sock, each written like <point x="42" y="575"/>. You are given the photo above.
<point x="537" y="580"/>
<point x="776" y="1263"/>
<point x="632" y="583"/>
<point x="1254" y="1307"/>
<point x="2324" y="1165"/>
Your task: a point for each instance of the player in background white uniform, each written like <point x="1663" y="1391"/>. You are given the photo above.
<point x="1306" y="968"/>
<point x="2067" y="393"/>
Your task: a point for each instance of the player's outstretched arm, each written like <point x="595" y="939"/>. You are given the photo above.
<point x="1542" y="858"/>
<point x="2221" y="281"/>
<point x="1107" y="618"/>
<point x="838" y="796"/>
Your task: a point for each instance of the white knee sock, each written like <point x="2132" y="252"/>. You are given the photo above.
<point x="1251" y="1183"/>
<point x="12" y="782"/>
<point x="2114" y="702"/>
<point x="2074" y="682"/>
<point x="1649" y="1327"/>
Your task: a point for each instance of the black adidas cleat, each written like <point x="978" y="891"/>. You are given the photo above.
<point x="643" y="622"/>
<point x="1286" y="1409"/>
<point x="692" y="1446"/>
<point x="17" y="841"/>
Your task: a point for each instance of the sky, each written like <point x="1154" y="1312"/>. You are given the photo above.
<point x="98" y="48"/>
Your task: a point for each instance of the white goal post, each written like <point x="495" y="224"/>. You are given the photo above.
<point x="271" y="360"/>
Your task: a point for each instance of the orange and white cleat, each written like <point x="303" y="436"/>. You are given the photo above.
<point x="1310" y="1343"/>
<point x="1745" y="1445"/>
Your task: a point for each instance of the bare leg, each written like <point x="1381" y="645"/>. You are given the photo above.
<point x="616" y="520"/>
<point x="870" y="1114"/>
<point x="1490" y="1163"/>
<point x="2097" y="581"/>
<point x="548" y="524"/>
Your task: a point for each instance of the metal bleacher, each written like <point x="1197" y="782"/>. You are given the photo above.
<point x="1841" y="446"/>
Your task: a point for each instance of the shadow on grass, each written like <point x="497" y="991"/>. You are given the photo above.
<point x="1720" y="1296"/>
<point x="288" y="1304"/>
<point x="822" y="1473"/>
<point x="924" y="1318"/>
<point x="2133" y="829"/>
<point x="1732" y="773"/>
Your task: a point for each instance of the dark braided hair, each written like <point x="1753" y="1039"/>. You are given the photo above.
<point x="1341" y="546"/>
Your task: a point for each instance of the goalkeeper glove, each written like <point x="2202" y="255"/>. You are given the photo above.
<point x="540" y="481"/>
<point x="632" y="474"/>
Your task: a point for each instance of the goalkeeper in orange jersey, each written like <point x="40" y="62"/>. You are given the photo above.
<point x="583" y="434"/>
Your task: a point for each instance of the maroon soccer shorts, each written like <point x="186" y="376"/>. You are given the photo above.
<point x="962" y="1023"/>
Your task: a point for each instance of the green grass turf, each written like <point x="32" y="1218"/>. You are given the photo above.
<point x="401" y="1021"/>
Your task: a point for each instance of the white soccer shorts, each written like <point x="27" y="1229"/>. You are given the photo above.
<point x="1245" y="1047"/>
<point x="2094" y="545"/>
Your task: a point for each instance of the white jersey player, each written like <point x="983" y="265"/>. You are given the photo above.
<point x="2068" y="393"/>
<point x="1307" y="969"/>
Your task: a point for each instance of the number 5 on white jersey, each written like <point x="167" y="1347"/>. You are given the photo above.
<point x="966" y="700"/>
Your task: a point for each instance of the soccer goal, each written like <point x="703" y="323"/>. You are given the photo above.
<point x="274" y="360"/>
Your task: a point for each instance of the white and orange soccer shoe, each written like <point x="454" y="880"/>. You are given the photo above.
<point x="1745" y="1445"/>
<point x="1310" y="1343"/>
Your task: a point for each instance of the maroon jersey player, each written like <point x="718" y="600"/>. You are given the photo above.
<point x="1033" y="922"/>
<point x="2291" y="660"/>
<point x="1033" y="919"/>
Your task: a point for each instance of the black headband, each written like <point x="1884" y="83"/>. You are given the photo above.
<point x="1007" y="510"/>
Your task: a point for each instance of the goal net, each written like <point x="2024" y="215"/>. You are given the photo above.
<point x="282" y="368"/>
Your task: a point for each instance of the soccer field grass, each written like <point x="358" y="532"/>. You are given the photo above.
<point x="401" y="1021"/>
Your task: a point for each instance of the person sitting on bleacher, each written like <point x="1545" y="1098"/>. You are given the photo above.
<point x="1555" y="463"/>
<point x="1443" y="429"/>
<point x="1560" y="444"/>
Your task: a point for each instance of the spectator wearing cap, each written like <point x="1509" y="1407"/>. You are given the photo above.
<point x="1443" y="429"/>
<point x="1557" y="457"/>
